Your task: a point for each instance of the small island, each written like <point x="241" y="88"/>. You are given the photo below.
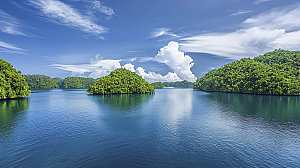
<point x="274" y="73"/>
<point x="121" y="81"/>
<point x="12" y="83"/>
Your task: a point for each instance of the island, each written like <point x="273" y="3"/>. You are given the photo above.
<point x="12" y="83"/>
<point x="121" y="81"/>
<point x="274" y="73"/>
<point x="158" y="85"/>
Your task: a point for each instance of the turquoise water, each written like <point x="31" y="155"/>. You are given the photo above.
<point x="172" y="128"/>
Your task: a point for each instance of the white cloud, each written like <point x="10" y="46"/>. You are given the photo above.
<point x="98" y="6"/>
<point x="162" y="32"/>
<point x="278" y="28"/>
<point x="10" y="48"/>
<point x="64" y="14"/>
<point x="156" y="77"/>
<point x="129" y="67"/>
<point x="10" y="25"/>
<point x="260" y="1"/>
<point x="241" y="12"/>
<point x="180" y="63"/>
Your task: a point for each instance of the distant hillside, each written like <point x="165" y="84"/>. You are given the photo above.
<point x="274" y="73"/>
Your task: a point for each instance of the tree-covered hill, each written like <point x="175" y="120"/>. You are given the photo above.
<point x="12" y="83"/>
<point x="157" y="85"/>
<point x="179" y="84"/>
<point x="77" y="82"/>
<point x="274" y="73"/>
<point x="121" y="81"/>
<point x="40" y="82"/>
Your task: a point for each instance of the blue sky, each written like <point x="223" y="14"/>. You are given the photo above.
<point x="165" y="40"/>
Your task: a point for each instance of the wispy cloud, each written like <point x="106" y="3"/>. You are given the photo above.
<point x="10" y="24"/>
<point x="10" y="48"/>
<point x="278" y="28"/>
<point x="241" y="12"/>
<point x="162" y="32"/>
<point x="65" y="14"/>
<point x="100" y="7"/>
<point x="260" y="1"/>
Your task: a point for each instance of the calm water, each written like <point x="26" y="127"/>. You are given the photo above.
<point x="172" y="128"/>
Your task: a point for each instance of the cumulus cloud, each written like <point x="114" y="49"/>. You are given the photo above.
<point x="156" y="77"/>
<point x="10" y="24"/>
<point x="162" y="32"/>
<point x="278" y="28"/>
<point x="10" y="48"/>
<point x="98" y="68"/>
<point x="180" y="63"/>
<point x="64" y="14"/>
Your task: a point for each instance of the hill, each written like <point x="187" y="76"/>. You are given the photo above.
<point x="40" y="82"/>
<point x="121" y="81"/>
<point x="274" y="73"/>
<point x="12" y="83"/>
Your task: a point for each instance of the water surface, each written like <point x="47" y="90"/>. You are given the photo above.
<point x="172" y="128"/>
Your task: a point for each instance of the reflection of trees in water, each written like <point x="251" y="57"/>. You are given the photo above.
<point x="123" y="102"/>
<point x="277" y="108"/>
<point x="10" y="110"/>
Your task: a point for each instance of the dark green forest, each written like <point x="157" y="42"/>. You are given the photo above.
<point x="121" y="81"/>
<point x="45" y="82"/>
<point x="157" y="85"/>
<point x="274" y="73"/>
<point x="40" y="82"/>
<point x="179" y="84"/>
<point x="12" y="83"/>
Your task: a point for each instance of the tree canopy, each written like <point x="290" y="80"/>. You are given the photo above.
<point x="274" y="73"/>
<point x="40" y="82"/>
<point x="157" y="85"/>
<point x="121" y="81"/>
<point x="12" y="83"/>
<point x="179" y="84"/>
<point x="77" y="82"/>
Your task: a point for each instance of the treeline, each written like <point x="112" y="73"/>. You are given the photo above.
<point x="274" y="73"/>
<point x="178" y="84"/>
<point x="45" y="82"/>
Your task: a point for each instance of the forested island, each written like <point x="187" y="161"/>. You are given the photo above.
<point x="12" y="83"/>
<point x="121" y="81"/>
<point x="274" y="73"/>
<point x="178" y="84"/>
<point x="45" y="82"/>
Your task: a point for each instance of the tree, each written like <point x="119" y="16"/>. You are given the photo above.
<point x="121" y="81"/>
<point x="77" y="82"/>
<point x="12" y="83"/>
<point x="158" y="85"/>
<point x="274" y="73"/>
<point x="40" y="82"/>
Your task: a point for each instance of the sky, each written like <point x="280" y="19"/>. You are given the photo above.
<point x="163" y="40"/>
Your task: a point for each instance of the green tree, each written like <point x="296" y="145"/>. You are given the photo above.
<point x="179" y="84"/>
<point x="12" y="83"/>
<point x="274" y="73"/>
<point x="121" y="81"/>
<point x="40" y="82"/>
<point x="158" y="85"/>
<point x="77" y="82"/>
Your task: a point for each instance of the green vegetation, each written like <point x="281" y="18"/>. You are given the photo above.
<point x="12" y="83"/>
<point x="77" y="82"/>
<point x="58" y="81"/>
<point x="179" y="84"/>
<point x="274" y="73"/>
<point x="121" y="81"/>
<point x="40" y="82"/>
<point x="157" y="85"/>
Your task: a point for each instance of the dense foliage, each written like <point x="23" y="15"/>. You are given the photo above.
<point x="12" y="83"/>
<point x="157" y="85"/>
<point x="121" y="81"/>
<point x="58" y="81"/>
<point x="274" y="73"/>
<point x="77" y="82"/>
<point x="40" y="82"/>
<point x="179" y="84"/>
